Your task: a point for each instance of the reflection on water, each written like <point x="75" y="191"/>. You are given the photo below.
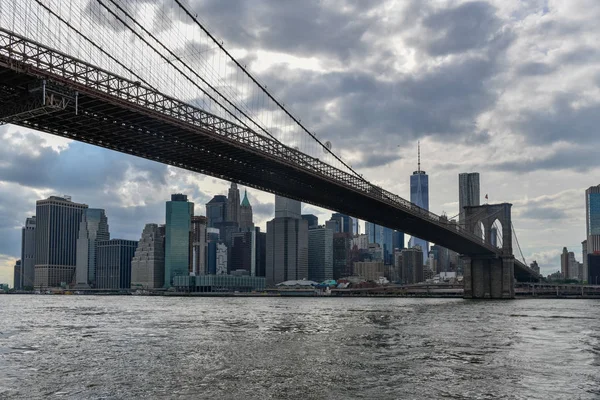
<point x="244" y="348"/>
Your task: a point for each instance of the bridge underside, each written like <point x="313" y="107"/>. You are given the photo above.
<point x="113" y="122"/>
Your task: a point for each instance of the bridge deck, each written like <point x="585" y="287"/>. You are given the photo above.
<point x="122" y="115"/>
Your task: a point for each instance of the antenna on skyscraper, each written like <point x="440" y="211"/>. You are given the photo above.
<point x="419" y="156"/>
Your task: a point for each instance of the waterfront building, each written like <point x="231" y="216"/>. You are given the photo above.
<point x="412" y="266"/>
<point x="18" y="276"/>
<point x="113" y="263"/>
<point x="198" y="266"/>
<point x="369" y="270"/>
<point x="468" y="193"/>
<point x="584" y="254"/>
<point x="233" y="204"/>
<point x="216" y="211"/>
<point x="57" y="226"/>
<point x="287" y="243"/>
<point x="260" y="252"/>
<point x="593" y="263"/>
<point x="442" y="258"/>
<point x="148" y="263"/>
<point x="221" y="259"/>
<point x="246" y="221"/>
<point x="313" y="220"/>
<point x="320" y="254"/>
<point x="592" y="208"/>
<point x="219" y="283"/>
<point x="243" y="252"/>
<point x="179" y="212"/>
<point x="92" y="229"/>
<point x="212" y="237"/>
<point x="419" y="195"/>
<point x="28" y="254"/>
<point x="342" y="265"/>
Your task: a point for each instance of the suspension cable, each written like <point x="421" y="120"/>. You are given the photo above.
<point x="193" y="18"/>
<point x="517" y="240"/>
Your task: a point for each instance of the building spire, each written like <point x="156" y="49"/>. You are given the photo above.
<point x="419" y="156"/>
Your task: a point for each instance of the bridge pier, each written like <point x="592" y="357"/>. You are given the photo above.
<point x="488" y="278"/>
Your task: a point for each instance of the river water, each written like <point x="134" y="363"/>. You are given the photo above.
<point x="93" y="347"/>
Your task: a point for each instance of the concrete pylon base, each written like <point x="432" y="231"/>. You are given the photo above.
<point x="489" y="278"/>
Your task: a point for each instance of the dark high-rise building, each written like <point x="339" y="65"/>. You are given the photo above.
<point x="148" y="263"/>
<point x="28" y="254"/>
<point x="398" y="240"/>
<point x="57" y="225"/>
<point x="178" y="249"/>
<point x="92" y="228"/>
<point x="243" y="253"/>
<point x="313" y="220"/>
<point x="198" y="266"/>
<point x="246" y="221"/>
<point x="346" y="223"/>
<point x="593" y="263"/>
<point x="419" y="195"/>
<point x="342" y="264"/>
<point x="113" y="263"/>
<point x="442" y="258"/>
<point x="564" y="263"/>
<point x="233" y="204"/>
<point x="212" y="237"/>
<point x="412" y="266"/>
<point x="592" y="224"/>
<point x="320" y="254"/>
<point x="260" y="252"/>
<point x="287" y="243"/>
<point x="216" y="210"/>
<point x="18" y="276"/>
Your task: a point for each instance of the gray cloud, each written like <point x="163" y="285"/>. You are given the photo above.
<point x="544" y="213"/>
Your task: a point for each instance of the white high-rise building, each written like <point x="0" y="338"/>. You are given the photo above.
<point x="148" y="263"/>
<point x="92" y="228"/>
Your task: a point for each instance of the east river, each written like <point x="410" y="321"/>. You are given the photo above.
<point x="93" y="347"/>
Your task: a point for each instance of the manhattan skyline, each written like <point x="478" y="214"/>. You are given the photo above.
<point x="515" y="161"/>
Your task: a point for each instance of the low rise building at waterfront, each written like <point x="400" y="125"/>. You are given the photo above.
<point x="113" y="265"/>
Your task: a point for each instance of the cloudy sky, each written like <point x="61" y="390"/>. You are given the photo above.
<point x="508" y="88"/>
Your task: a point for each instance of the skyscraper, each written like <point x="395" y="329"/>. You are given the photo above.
<point x="342" y="265"/>
<point x="564" y="263"/>
<point x="233" y="204"/>
<point x="346" y="223"/>
<point x="92" y="228"/>
<point x="18" y="276"/>
<point x="199" y="245"/>
<point x="384" y="237"/>
<point x="57" y="225"/>
<point x="243" y="252"/>
<point x="398" y="240"/>
<point x="313" y="220"/>
<point x="592" y="208"/>
<point x="246" y="222"/>
<point x="419" y="195"/>
<point x="260" y="252"/>
<point x="468" y="193"/>
<point x="177" y="237"/>
<point x="320" y="254"/>
<point x="287" y="208"/>
<point x="113" y="263"/>
<point x="412" y="266"/>
<point x="287" y="243"/>
<point x="216" y="211"/>
<point x="28" y="254"/>
<point x="148" y="263"/>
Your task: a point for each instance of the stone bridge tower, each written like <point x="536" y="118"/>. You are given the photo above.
<point x="489" y="276"/>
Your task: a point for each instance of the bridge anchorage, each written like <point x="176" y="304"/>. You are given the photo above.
<point x="490" y="276"/>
